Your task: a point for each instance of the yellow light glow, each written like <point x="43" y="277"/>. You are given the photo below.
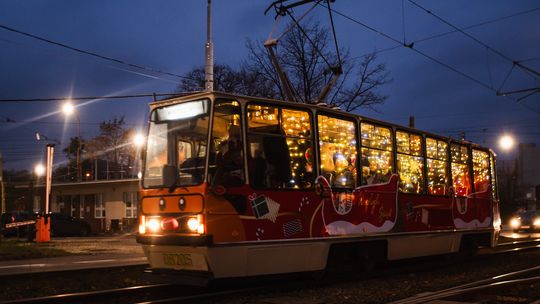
<point x="193" y="224"/>
<point x="506" y="142"/>
<point x="515" y="223"/>
<point x="39" y="169"/>
<point x="142" y="226"/>
<point x="153" y="225"/>
<point x="138" y="140"/>
<point x="536" y="222"/>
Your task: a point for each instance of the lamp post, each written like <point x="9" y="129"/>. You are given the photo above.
<point x="139" y="140"/>
<point x="68" y="109"/>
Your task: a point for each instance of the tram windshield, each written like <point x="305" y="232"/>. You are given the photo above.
<point x="177" y="137"/>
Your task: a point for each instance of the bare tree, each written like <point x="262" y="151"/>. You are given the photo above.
<point x="307" y="63"/>
<point x="227" y="79"/>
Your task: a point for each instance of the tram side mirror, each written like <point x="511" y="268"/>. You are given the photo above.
<point x="170" y="174"/>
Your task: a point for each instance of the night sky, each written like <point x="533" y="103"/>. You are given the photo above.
<point x="170" y="35"/>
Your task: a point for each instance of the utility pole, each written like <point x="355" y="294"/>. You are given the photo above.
<point x="3" y="193"/>
<point x="2" y="189"/>
<point x="209" y="51"/>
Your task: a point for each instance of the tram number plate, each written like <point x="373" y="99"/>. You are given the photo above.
<point x="177" y="259"/>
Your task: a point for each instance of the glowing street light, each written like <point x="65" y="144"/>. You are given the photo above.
<point x="506" y="142"/>
<point x="68" y="108"/>
<point x="39" y="169"/>
<point x="138" y="140"/>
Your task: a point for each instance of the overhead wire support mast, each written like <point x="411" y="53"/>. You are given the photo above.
<point x="271" y="43"/>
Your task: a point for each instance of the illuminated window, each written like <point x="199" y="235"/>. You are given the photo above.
<point x="377" y="156"/>
<point x="410" y="162"/>
<point x="493" y="176"/>
<point x="437" y="172"/>
<point x="337" y="144"/>
<point x="461" y="180"/>
<point x="226" y="165"/>
<point x="480" y="170"/>
<point x="280" y="147"/>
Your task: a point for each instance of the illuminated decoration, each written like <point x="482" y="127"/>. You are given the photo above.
<point x="182" y="110"/>
<point x="295" y="127"/>
<point x="494" y="176"/>
<point x="481" y="170"/>
<point x="337" y="142"/>
<point x="437" y="175"/>
<point x="377" y="156"/>
<point x="461" y="180"/>
<point x="410" y="162"/>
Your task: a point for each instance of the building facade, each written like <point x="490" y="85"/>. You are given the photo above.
<point x="107" y="205"/>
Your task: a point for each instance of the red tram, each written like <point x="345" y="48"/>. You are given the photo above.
<point x="238" y="186"/>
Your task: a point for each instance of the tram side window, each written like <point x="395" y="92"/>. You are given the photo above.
<point x="493" y="176"/>
<point x="338" y="153"/>
<point x="226" y="158"/>
<point x="461" y="180"/>
<point x="437" y="170"/>
<point x="481" y="170"/>
<point x="377" y="156"/>
<point x="410" y="162"/>
<point x="280" y="147"/>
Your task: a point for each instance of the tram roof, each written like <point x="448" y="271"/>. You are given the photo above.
<point x="186" y="96"/>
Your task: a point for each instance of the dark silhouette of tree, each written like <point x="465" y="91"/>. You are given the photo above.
<point x="227" y="79"/>
<point x="307" y="70"/>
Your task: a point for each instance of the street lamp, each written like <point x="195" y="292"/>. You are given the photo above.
<point x="506" y="142"/>
<point x="68" y="109"/>
<point x="39" y="169"/>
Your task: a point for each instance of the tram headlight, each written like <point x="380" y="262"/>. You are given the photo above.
<point x="195" y="224"/>
<point x="153" y="225"/>
<point x="515" y="223"/>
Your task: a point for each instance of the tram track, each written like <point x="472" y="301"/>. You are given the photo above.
<point x="499" y="281"/>
<point x="167" y="293"/>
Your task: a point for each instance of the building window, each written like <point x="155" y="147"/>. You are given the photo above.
<point x="437" y="169"/>
<point x="74" y="205"/>
<point x="338" y="152"/>
<point x="99" y="206"/>
<point x="130" y="200"/>
<point x="280" y="147"/>
<point x="81" y="207"/>
<point x="461" y="180"/>
<point x="377" y="156"/>
<point x="480" y="170"/>
<point x="410" y="162"/>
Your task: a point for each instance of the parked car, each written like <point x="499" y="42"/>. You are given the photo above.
<point x="17" y="217"/>
<point x="65" y="225"/>
<point x="526" y="220"/>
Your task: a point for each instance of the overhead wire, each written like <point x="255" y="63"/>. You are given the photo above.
<point x="93" y="54"/>
<point x="91" y="97"/>
<point x="411" y="47"/>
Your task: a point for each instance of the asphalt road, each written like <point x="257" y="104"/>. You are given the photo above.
<point x="88" y="252"/>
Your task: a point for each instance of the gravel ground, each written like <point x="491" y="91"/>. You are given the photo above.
<point x="395" y="287"/>
<point x="336" y="288"/>
<point x="124" y="243"/>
